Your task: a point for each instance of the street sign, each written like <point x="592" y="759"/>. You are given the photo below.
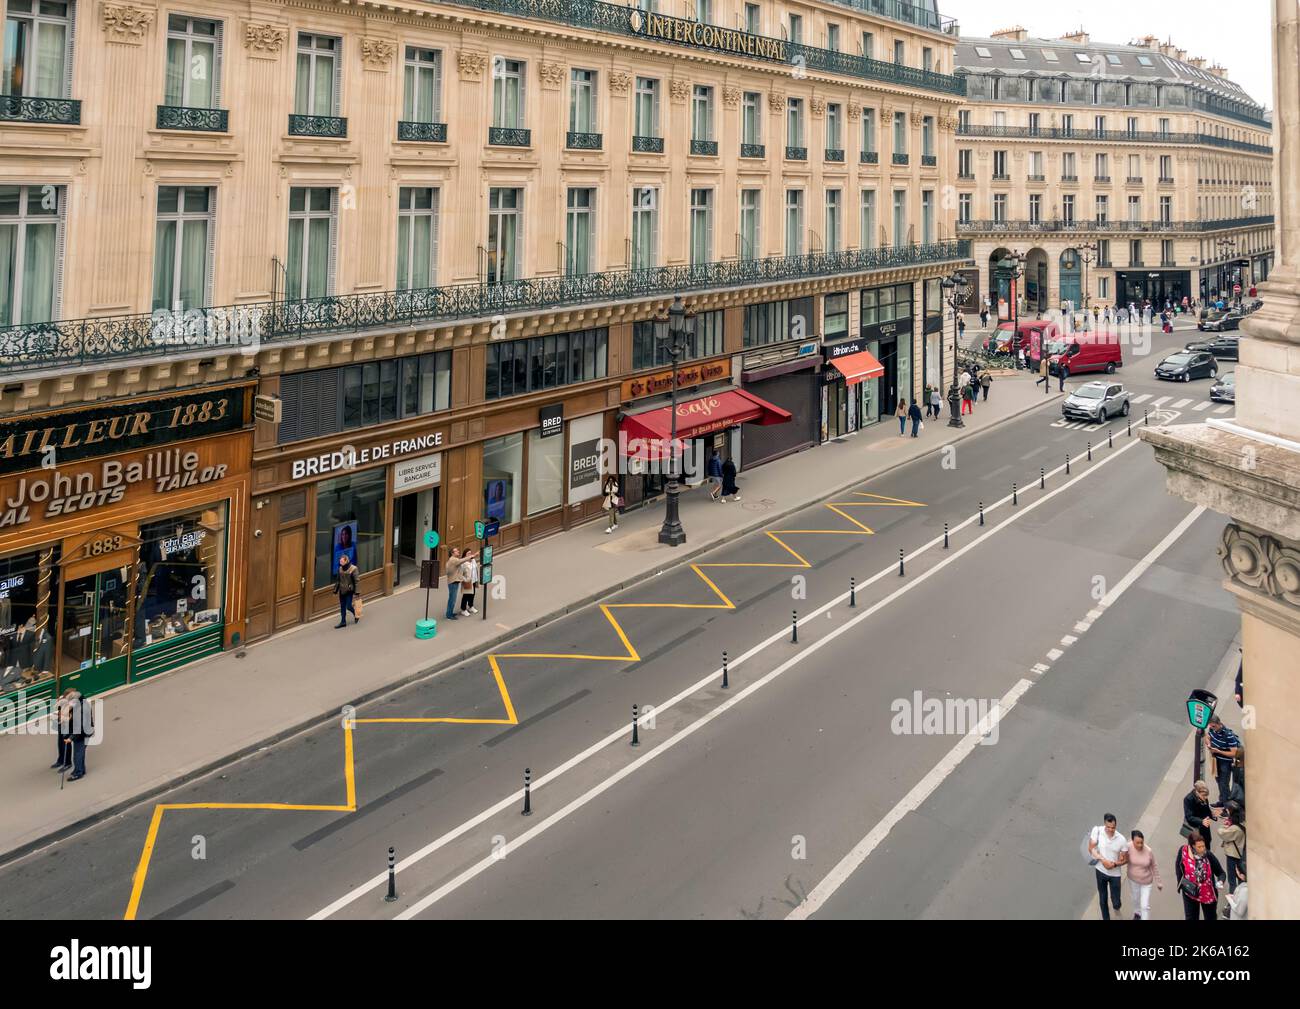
<point x="1236" y="288"/>
<point x="478" y="530"/>
<point x="431" y="539"/>
<point x="1200" y="706"/>
<point x="493" y="527"/>
<point x="428" y="574"/>
<point x="487" y="576"/>
<point x="487" y="556"/>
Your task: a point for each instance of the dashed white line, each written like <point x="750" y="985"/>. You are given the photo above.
<point x="1082" y="626"/>
<point x="1068" y="640"/>
<point x="1054" y="654"/>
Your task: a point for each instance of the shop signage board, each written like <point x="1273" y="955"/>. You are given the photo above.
<point x="585" y="435"/>
<point x="268" y="408"/>
<point x="659" y="382"/>
<point x="418" y="473"/>
<point x="552" y="420"/>
<point x="361" y="454"/>
<point x="847" y="347"/>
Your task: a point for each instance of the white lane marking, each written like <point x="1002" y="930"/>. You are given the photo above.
<point x="1141" y="399"/>
<point x="1054" y="654"/>
<point x="1225" y="408"/>
<point x="1094" y="614"/>
<point x="1161" y="401"/>
<point x="1204" y="404"/>
<point x="1180" y="404"/>
<point x="854" y="859"/>
<point x="1082" y="626"/>
<point x="620" y="734"/>
<point x="1068" y="640"/>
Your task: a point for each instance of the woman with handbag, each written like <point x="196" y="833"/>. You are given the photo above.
<point x="611" y="503"/>
<point x="1233" y="836"/>
<point x="468" y="579"/>
<point x="1199" y="876"/>
<point x="1198" y="815"/>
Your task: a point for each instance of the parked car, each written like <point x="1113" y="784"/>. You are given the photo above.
<point x="1224" y="389"/>
<point x="1097" y="401"/>
<point x="1084" y="352"/>
<point x="1219" y="346"/>
<point x="1187" y="365"/>
<point x="1225" y="322"/>
<point x="1212" y="315"/>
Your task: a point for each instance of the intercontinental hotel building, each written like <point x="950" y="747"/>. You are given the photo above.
<point x="280" y="280"/>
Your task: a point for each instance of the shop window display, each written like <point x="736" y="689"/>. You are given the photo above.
<point x="503" y="467"/>
<point x="349" y="518"/>
<point x="545" y="472"/>
<point x="180" y="578"/>
<point x="29" y="592"/>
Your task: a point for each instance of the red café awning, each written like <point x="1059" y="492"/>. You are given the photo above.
<point x="858" y="367"/>
<point x="645" y="433"/>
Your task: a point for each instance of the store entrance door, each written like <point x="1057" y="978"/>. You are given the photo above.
<point x="413" y="516"/>
<point x="888" y="357"/>
<point x="94" y="639"/>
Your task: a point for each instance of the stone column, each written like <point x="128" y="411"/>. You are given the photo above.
<point x="1248" y="468"/>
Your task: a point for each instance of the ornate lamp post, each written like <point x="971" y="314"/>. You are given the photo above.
<point x="1227" y="250"/>
<point x="1087" y="255"/>
<point x="674" y="330"/>
<point x="1009" y="267"/>
<point x="954" y="294"/>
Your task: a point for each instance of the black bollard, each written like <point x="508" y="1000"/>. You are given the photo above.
<point x="392" y="877"/>
<point x="528" y="791"/>
<point x="945" y="535"/>
<point x="981" y="513"/>
<point x="900" y="562"/>
<point x="636" y="740"/>
<point x="1090" y="451"/>
<point x="1110" y="437"/>
<point x="1015" y="497"/>
<point x="794" y="627"/>
<point x="1042" y="478"/>
<point x="725" y="684"/>
<point x="1067" y="463"/>
<point x="853" y="591"/>
<point x="1130" y="427"/>
<point x="1146" y="419"/>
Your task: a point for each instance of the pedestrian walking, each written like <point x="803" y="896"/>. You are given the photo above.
<point x="901" y="414"/>
<point x="1043" y="378"/>
<point x="1062" y="373"/>
<point x="345" y="587"/>
<point x="469" y="570"/>
<point x="1109" y="849"/>
<point x="963" y="388"/>
<point x="1233" y="836"/>
<point x="715" y="476"/>
<point x="1222" y="743"/>
<point x="968" y="398"/>
<point x="63" y="730"/>
<point x="1199" y="876"/>
<point x="81" y="728"/>
<point x="1020" y="359"/>
<point x="1198" y="815"/>
<point x="452" y="570"/>
<point x="1143" y="873"/>
<point x="914" y="412"/>
<point x="936" y="402"/>
<point x="729" y="487"/>
<point x="986" y="380"/>
<point x="1237" y="910"/>
<point x="961" y="330"/>
<point x="611" y="503"/>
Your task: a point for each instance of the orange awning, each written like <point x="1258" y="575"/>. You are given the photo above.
<point x="648" y="434"/>
<point x="857" y="367"/>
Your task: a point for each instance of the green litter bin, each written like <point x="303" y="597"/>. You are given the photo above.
<point x="426" y="628"/>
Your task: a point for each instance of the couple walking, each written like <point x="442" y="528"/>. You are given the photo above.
<point x="462" y="570"/>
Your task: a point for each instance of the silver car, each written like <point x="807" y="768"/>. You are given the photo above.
<point x="1097" y="401"/>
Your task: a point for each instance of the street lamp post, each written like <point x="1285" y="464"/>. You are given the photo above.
<point x="673" y="329"/>
<point x="1087" y="255"/>
<point x="954" y="289"/>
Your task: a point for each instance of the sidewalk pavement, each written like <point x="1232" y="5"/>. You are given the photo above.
<point x="1164" y="815"/>
<point x="192" y="720"/>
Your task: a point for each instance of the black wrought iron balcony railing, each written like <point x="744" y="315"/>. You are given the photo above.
<point x="1166" y="180"/>
<point x="1069" y="178"/>
<point x="1116" y="226"/>
<point x="900" y="159"/>
<point x="180" y="117"/>
<point x="966" y="176"/>
<point x="835" y="154"/>
<point x="1134" y="180"/>
<point x="869" y="157"/>
<point x="1001" y="177"/>
<point x="576" y="141"/>
<point x="929" y="161"/>
<point x="1136" y="136"/>
<point x="317" y="126"/>
<point x="664" y="29"/>
<point x="57" y="111"/>
<point x="753" y="151"/>
<point x="706" y="148"/>
<point x="1101" y="180"/>
<point x="796" y="153"/>
<point x="428" y="133"/>
<point x="648" y="145"/>
<point x="900" y="10"/>
<point x="509" y="136"/>
<point x="83" y="342"/>
<point x="1037" y="178"/>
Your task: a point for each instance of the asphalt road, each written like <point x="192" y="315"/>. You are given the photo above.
<point x="738" y="803"/>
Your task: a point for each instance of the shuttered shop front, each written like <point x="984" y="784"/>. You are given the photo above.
<point x="793" y="390"/>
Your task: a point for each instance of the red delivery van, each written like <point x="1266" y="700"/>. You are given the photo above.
<point x="1083" y="352"/>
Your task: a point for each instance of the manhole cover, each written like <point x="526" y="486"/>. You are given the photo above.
<point x="761" y="505"/>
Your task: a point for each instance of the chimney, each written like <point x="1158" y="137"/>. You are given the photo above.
<point x="1197" y="62"/>
<point x="1218" y="71"/>
<point x="1079" y="37"/>
<point x="1016" y="34"/>
<point x="1181" y="55"/>
<point x="1150" y="41"/>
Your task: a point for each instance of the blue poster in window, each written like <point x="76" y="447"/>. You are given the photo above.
<point x="345" y="542"/>
<point x="496" y="499"/>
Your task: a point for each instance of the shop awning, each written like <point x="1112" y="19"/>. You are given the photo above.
<point x="857" y="367"/>
<point x="647" y="435"/>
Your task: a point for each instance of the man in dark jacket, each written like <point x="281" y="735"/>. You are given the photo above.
<point x="345" y="587"/>
<point x="63" y="731"/>
<point x="80" y="729"/>
<point x="729" y="486"/>
<point x="914" y="414"/>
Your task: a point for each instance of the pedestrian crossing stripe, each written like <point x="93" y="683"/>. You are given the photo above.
<point x="1162" y="401"/>
<point x="1143" y="398"/>
<point x="1204" y="404"/>
<point x="1222" y="409"/>
<point x="1181" y="404"/>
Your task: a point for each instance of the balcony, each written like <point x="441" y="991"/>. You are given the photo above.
<point x="966" y="176"/>
<point x="56" y="111"/>
<point x="1166" y="180"/>
<point x="1117" y="227"/>
<point x="429" y="133"/>
<point x="753" y="151"/>
<point x="647" y="145"/>
<point x="52" y="346"/>
<point x="1134" y="180"/>
<point x="577" y="141"/>
<point x="1069" y="178"/>
<point x="509" y="136"/>
<point x="704" y="148"/>
<point x="334" y="127"/>
<point x="835" y="154"/>
<point x="178" y="117"/>
<point x="796" y="153"/>
<point x="1036" y="178"/>
<point x="1001" y="177"/>
<point x="1101" y="180"/>
<point x="1204" y="139"/>
<point x="901" y="159"/>
<point x="929" y="161"/>
<point x="869" y="158"/>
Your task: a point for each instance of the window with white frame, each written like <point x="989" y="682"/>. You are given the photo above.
<point x="927" y="136"/>
<point x="751" y="202"/>
<point x="1166" y="209"/>
<point x="417" y="237"/>
<point x="753" y="19"/>
<point x="582" y="101"/>
<point x="505" y="227"/>
<point x="701" y="112"/>
<point x="794" y="122"/>
<point x="316" y="85"/>
<point x="422" y="86"/>
<point x="1067" y="208"/>
<point x="193" y="78"/>
<point x="647" y="107"/>
<point x="38" y="48"/>
<point x="964" y="207"/>
<point x="966" y="163"/>
<point x="1102" y="214"/>
<point x="794" y="222"/>
<point x="927" y="216"/>
<point x="869" y="45"/>
<point x="751" y="118"/>
<point x="579" y="230"/>
<point x="309" y="267"/>
<point x="1035" y="208"/>
<point x="834" y="141"/>
<point x="999" y="207"/>
<point x="834" y="220"/>
<point x="1166" y="167"/>
<point x="900" y="217"/>
<point x="1103" y="288"/>
<point x="701" y="226"/>
<point x="868" y="131"/>
<point x="1068" y="168"/>
<point x="31" y="253"/>
<point x="900" y="133"/>
<point x="1102" y="166"/>
<point x="796" y="29"/>
<point x="183" y="247"/>
<point x="1134" y="208"/>
<point x="704" y="11"/>
<point x="867" y="219"/>
<point x="645" y="227"/>
<point x="508" y="93"/>
<point x="833" y="37"/>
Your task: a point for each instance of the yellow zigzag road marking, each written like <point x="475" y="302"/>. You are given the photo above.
<point x="511" y="717"/>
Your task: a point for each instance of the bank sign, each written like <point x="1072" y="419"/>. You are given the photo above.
<point x="662" y="28"/>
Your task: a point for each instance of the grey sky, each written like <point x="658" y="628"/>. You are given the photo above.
<point x="1238" y="35"/>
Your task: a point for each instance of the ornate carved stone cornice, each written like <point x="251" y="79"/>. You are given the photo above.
<point x="126" y="22"/>
<point x="1262" y="563"/>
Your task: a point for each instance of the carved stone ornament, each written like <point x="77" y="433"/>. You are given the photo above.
<point x="471" y="65"/>
<point x="917" y="117"/>
<point x="817" y="107"/>
<point x="264" y="40"/>
<point x="776" y="101"/>
<point x="681" y="90"/>
<point x="377" y="54"/>
<point x="552" y="75"/>
<point x="855" y="112"/>
<point x="619" y="82"/>
<point x="731" y="97"/>
<point x="1262" y="563"/>
<point x="124" y="23"/>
